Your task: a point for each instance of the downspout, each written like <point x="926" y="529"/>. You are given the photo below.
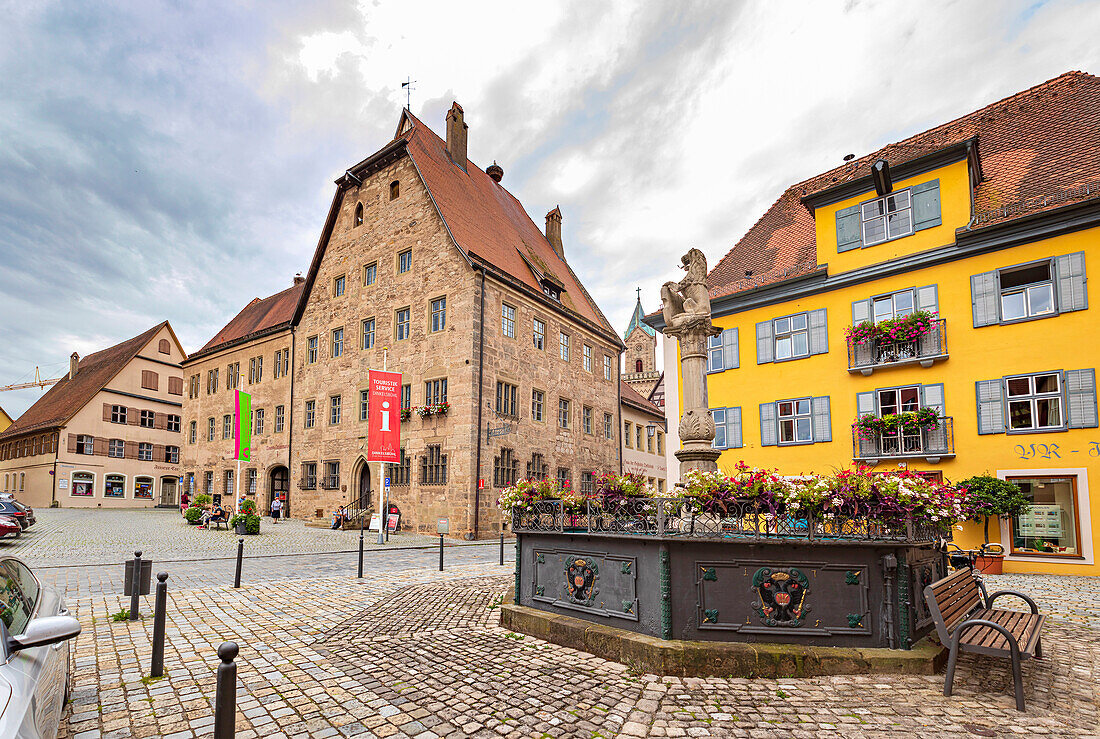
<point x="480" y="391"/>
<point x="290" y="416"/>
<point x="971" y="176"/>
<point x="56" y="452"/>
<point x="619" y="405"/>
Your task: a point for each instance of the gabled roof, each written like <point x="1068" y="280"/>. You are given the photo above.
<point x="485" y="221"/>
<point x="259" y="316"/>
<point x="636" y="321"/>
<point x="62" y="401"/>
<point x="1039" y="150"/>
<point x="633" y="398"/>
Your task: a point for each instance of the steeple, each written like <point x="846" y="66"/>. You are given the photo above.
<point x="636" y="319"/>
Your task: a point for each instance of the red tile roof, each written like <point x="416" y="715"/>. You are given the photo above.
<point x="62" y="401"/>
<point x="1039" y="150"/>
<point x="490" y="224"/>
<point x="257" y="316"/>
<point x="632" y="397"/>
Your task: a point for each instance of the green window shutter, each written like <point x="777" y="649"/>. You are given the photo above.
<point x="932" y="397"/>
<point x="847" y="229"/>
<point x="983" y="297"/>
<point x="719" y="416"/>
<point x="822" y="419"/>
<point x="1081" y="398"/>
<point x="730" y="355"/>
<point x="733" y="428"/>
<point x="819" y="333"/>
<point x="861" y="311"/>
<point x="928" y="298"/>
<point x="1072" y="294"/>
<point x="926" y="205"/>
<point x="991" y="406"/>
<point x="768" y="432"/>
<point x="765" y="343"/>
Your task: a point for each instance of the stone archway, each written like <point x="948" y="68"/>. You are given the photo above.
<point x="363" y="497"/>
<point x="279" y="486"/>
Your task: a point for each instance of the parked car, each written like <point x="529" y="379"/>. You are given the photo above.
<point x="35" y="629"/>
<point x="27" y="510"/>
<point x="18" y="511"/>
<point x="9" y="526"/>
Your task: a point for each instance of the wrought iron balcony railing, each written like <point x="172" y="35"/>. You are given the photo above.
<point x="933" y="444"/>
<point x="742" y="520"/>
<point x="875" y="354"/>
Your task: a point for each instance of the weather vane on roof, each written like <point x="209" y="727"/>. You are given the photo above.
<point x="407" y="86"/>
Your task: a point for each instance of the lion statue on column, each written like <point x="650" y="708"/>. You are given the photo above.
<point x="687" y="301"/>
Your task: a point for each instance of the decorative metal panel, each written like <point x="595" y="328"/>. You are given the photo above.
<point x="599" y="583"/>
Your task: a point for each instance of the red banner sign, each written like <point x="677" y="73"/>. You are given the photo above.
<point x="384" y="426"/>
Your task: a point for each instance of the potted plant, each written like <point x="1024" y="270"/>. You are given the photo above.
<point x="193" y="515"/>
<point x="989" y="497"/>
<point x="246" y="521"/>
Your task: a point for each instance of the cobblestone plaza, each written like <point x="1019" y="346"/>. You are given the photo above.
<point x="412" y="652"/>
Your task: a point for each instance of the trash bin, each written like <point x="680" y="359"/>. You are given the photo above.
<point x="145" y="576"/>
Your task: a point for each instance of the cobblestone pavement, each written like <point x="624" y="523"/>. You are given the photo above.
<point x="67" y="536"/>
<point x="411" y="652"/>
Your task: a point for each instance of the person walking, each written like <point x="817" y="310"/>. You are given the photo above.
<point x="276" y="509"/>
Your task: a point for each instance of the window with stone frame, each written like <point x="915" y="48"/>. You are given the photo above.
<point x="506" y="399"/>
<point x="367" y="334"/>
<point x="334" y="410"/>
<point x="608" y="426"/>
<point x="395" y="190"/>
<point x="563" y="477"/>
<point x="508" y="320"/>
<point x="193" y="433"/>
<point x="309" y="476"/>
<point x="258" y="420"/>
<point x="337" y="341"/>
<point x="145" y="452"/>
<point x="116" y="448"/>
<point x="280" y="419"/>
<point x="586" y="419"/>
<point x="607" y="373"/>
<point x="250" y="485"/>
<point x="172" y="423"/>
<point x="538" y="334"/>
<point x="401" y="327"/>
<point x="311" y="350"/>
<point x="435" y="391"/>
<point x="370" y="274"/>
<point x="505" y="467"/>
<point x="433" y="466"/>
<point x="586" y="356"/>
<point x="400" y="472"/>
<point x="565" y="420"/>
<point x="227" y="427"/>
<point x="537" y="468"/>
<point x="358" y="215"/>
<point x="538" y="402"/>
<point x="331" y="480"/>
<point x="210" y="429"/>
<point x="405" y="261"/>
<point x="588" y="483"/>
<point x="563" y="346"/>
<point x="232" y="376"/>
<point x="364" y="405"/>
<point x="439" y="314"/>
<point x="628" y="434"/>
<point x="147" y="419"/>
<point x="339" y="284"/>
<point x="118" y="414"/>
<point x="406" y="397"/>
<point x="311" y="414"/>
<point x="208" y="483"/>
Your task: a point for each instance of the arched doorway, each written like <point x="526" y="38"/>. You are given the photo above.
<point x="364" y="487"/>
<point x="280" y="488"/>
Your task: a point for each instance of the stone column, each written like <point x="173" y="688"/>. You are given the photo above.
<point x="696" y="424"/>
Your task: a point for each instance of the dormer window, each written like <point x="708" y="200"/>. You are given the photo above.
<point x="886" y="218"/>
<point x="551" y="290"/>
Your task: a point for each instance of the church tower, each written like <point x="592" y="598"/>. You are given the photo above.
<point x="640" y="357"/>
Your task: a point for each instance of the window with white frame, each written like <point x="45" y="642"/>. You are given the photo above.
<point x="586" y="357"/>
<point x="894" y="305"/>
<point x="172" y="454"/>
<point x="118" y="414"/>
<point x="563" y="341"/>
<point x="227" y="427"/>
<point x="145" y="452"/>
<point x="116" y="448"/>
<point x="1026" y="291"/>
<point x="586" y="419"/>
<point x="1034" y="402"/>
<point x="537" y="403"/>
<point x="280" y="419"/>
<point x="258" y="420"/>
<point x="147" y="419"/>
<point x="210" y="429"/>
<point x="508" y="320"/>
<point x="193" y="433"/>
<point x="172" y="423"/>
<point x="84" y="444"/>
<point x="795" y="421"/>
<point x="792" y="336"/>
<point x="607" y="368"/>
<point x="406" y="397"/>
<point x="564" y="416"/>
<point x="608" y="426"/>
<point x="370" y="273"/>
<point x="538" y="334"/>
<point x="886" y="218"/>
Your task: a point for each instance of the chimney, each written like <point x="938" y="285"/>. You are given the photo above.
<point x="495" y="172"/>
<point x="298" y="279"/>
<point x="74" y="364"/>
<point x="553" y="231"/>
<point x="456" y="135"/>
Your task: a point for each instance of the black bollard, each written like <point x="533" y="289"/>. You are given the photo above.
<point x="135" y="592"/>
<point x="240" y="558"/>
<point x="156" y="669"/>
<point x="225" y="702"/>
<point x="501" y="547"/>
<point x="362" y="518"/>
<point x="441" y="552"/>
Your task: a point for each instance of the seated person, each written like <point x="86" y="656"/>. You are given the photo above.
<point x="215" y="512"/>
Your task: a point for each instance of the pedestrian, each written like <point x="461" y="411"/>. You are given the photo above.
<point x="276" y="509"/>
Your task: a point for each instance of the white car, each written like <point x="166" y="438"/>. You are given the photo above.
<point x="35" y="630"/>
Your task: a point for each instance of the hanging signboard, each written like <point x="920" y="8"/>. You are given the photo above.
<point x="242" y="426"/>
<point x="384" y="429"/>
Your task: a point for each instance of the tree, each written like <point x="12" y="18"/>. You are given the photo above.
<point x="991" y="496"/>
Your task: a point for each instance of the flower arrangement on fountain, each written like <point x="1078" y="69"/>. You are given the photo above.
<point x="890" y="498"/>
<point x="893" y="330"/>
<point x="869" y="426"/>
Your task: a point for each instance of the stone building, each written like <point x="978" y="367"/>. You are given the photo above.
<point x="644" y="430"/>
<point x="427" y="266"/>
<point x="640" y="357"/>
<point x="254" y="352"/>
<point x="107" y="434"/>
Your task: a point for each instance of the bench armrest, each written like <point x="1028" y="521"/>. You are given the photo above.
<point x="989" y="600"/>
<point x="1014" y="646"/>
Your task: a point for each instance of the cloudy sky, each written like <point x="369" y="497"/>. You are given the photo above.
<point x="174" y="160"/>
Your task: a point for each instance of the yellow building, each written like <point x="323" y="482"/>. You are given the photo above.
<point x="991" y="224"/>
<point x="5" y="420"/>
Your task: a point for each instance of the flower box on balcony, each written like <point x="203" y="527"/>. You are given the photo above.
<point x="917" y="338"/>
<point x="908" y="435"/>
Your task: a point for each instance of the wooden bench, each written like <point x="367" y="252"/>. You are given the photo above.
<point x="966" y="621"/>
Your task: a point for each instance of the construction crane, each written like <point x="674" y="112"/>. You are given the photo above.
<point x="38" y="382"/>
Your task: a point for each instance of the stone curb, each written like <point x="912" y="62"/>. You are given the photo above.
<point x="718" y="659"/>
